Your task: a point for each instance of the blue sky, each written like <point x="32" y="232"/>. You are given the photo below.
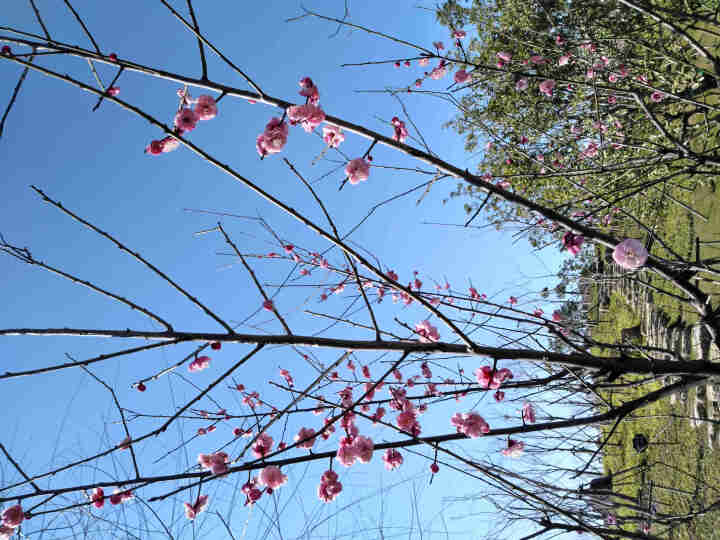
<point x="94" y="164"/>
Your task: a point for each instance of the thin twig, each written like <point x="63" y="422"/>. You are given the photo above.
<point x="14" y="96"/>
<point x="200" y="43"/>
<point x="254" y="278"/>
<point x="136" y="255"/>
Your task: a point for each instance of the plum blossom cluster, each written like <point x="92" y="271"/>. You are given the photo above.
<point x="274" y="138"/>
<point x="118" y="497"/>
<point x="329" y="487"/>
<point x="488" y="377"/>
<point x="190" y="113"/>
<point x="427" y="332"/>
<point x="470" y="424"/>
<point x="217" y="462"/>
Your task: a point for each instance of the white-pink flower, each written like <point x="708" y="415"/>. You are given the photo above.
<point x="333" y="136"/>
<point x="305" y="433"/>
<point x="392" y="459"/>
<point x="272" y="477"/>
<point x="216" y="462"/>
<point x="309" y="115"/>
<point x="514" y="448"/>
<point x="427" y="332"/>
<point x="547" y="87"/>
<point x="438" y="72"/>
<point x="630" y="254"/>
<point x="401" y="132"/>
<point x="521" y="85"/>
<point x="363" y="447"/>
<point x="504" y="56"/>
<point x="199" y="363"/>
<point x="564" y="60"/>
<point x="309" y="90"/>
<point x="461" y="76"/>
<point x="329" y="487"/>
<point x="186" y="120"/>
<point x="206" y="108"/>
<point x="471" y="424"/>
<point x="528" y="413"/>
<point x="262" y="445"/>
<point x="192" y="510"/>
<point x="357" y="170"/>
<point x="273" y="139"/>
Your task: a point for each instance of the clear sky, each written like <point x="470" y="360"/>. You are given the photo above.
<point x="94" y="163"/>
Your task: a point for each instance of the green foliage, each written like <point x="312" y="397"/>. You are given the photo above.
<point x="542" y="146"/>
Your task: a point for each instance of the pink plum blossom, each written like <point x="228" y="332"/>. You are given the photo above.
<point x="363" y="448"/>
<point x="12" y="517"/>
<point x="392" y="459"/>
<point x="657" y="96"/>
<point x="333" y="136"/>
<point x="329" y="487"/>
<point x="521" y="85"/>
<point x="504" y="56"/>
<point x="309" y="90"/>
<point x="216" y="462"/>
<point x="6" y="532"/>
<point x="630" y="254"/>
<point x="564" y="60"/>
<point x="493" y="380"/>
<point x="514" y="448"/>
<point x="268" y="305"/>
<point x="438" y="72"/>
<point x="169" y="144"/>
<point x="192" y="510"/>
<point x="438" y="45"/>
<point x="305" y="433"/>
<point x="572" y="242"/>
<point x="547" y="87"/>
<point x="528" y="413"/>
<point x="423" y="62"/>
<point x="273" y="139"/>
<point x="262" y="446"/>
<point x="272" y="477"/>
<point x="427" y="332"/>
<point x="471" y="424"/>
<point x="206" y="108"/>
<point x="199" y="363"/>
<point x="461" y="76"/>
<point x="154" y="148"/>
<point x="357" y="170"/>
<point x="309" y="116"/>
<point x="459" y="34"/>
<point x="113" y="91"/>
<point x="499" y="395"/>
<point x="98" y="497"/>
<point x="401" y="132"/>
<point x="186" y="120"/>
